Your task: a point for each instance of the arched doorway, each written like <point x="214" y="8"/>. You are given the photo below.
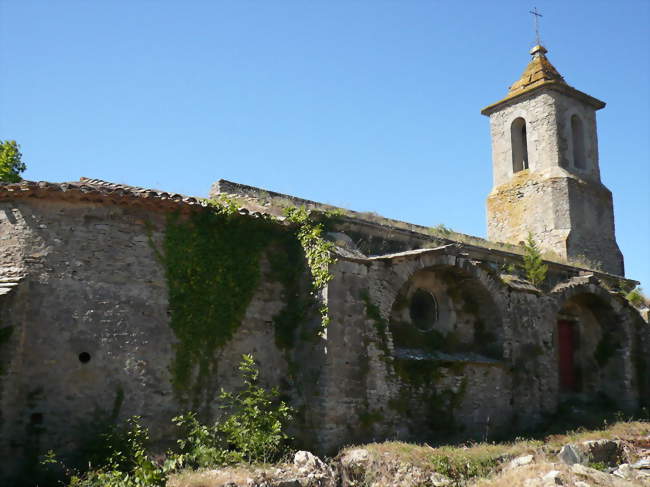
<point x="590" y="343"/>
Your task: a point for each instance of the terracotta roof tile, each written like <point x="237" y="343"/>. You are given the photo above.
<point x="87" y="188"/>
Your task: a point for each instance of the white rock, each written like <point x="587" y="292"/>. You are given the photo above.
<point x="305" y="460"/>
<point x="521" y="461"/>
<point x="623" y="471"/>
<point x="645" y="463"/>
<point x="590" y="473"/>
<point x="552" y="478"/>
<point x="355" y="457"/>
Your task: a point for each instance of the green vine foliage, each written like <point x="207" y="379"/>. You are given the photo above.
<point x="211" y="260"/>
<point x="212" y="265"/>
<point x="317" y="251"/>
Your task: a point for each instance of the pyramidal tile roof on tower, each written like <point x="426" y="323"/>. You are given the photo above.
<point x="541" y="73"/>
<point x="538" y="71"/>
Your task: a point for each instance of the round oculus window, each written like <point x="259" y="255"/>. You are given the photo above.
<point x="423" y="310"/>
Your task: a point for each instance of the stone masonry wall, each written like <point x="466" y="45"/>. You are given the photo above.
<point x="566" y="215"/>
<point x="374" y="391"/>
<point x="90" y="338"/>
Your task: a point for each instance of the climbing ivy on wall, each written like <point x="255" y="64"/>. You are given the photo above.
<point x="317" y="250"/>
<point x="212" y="266"/>
<point x="211" y="260"/>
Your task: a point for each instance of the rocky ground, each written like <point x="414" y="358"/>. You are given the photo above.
<point x="617" y="456"/>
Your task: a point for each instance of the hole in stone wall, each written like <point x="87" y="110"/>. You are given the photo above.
<point x="423" y="310"/>
<point x="84" y="357"/>
<point x="36" y="418"/>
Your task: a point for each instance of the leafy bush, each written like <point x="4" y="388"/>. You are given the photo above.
<point x="533" y="264"/>
<point x="10" y="162"/>
<point x="252" y="431"/>
<point x="202" y="445"/>
<point x="128" y="465"/>
<point x="255" y="428"/>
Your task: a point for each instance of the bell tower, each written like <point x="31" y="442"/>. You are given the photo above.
<point x="546" y="176"/>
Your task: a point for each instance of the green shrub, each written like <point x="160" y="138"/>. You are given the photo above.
<point x="128" y="464"/>
<point x="533" y="264"/>
<point x="251" y="431"/>
<point x="10" y="162"/>
<point x="203" y="445"/>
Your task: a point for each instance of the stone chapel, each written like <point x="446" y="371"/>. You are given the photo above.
<point x="118" y="301"/>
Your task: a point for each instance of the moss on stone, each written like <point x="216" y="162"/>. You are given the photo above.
<point x="417" y="372"/>
<point x="368" y="417"/>
<point x="288" y="267"/>
<point x="373" y="313"/>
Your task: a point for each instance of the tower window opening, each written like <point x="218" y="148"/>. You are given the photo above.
<point x="519" y="145"/>
<point x="577" y="136"/>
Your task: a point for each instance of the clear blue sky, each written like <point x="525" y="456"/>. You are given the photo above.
<point x="372" y="105"/>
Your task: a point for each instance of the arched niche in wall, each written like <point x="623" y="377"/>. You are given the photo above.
<point x="445" y="313"/>
<point x="590" y="346"/>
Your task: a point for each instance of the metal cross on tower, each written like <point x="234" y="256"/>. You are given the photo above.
<point x="536" y="15"/>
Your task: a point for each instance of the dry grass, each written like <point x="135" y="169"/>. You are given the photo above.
<point x="424" y="456"/>
<point x="532" y="475"/>
<point x="619" y="430"/>
<point x="471" y="465"/>
<point x="217" y="478"/>
<point x="489" y="460"/>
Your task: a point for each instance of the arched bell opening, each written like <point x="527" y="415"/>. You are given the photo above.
<point x="519" y="143"/>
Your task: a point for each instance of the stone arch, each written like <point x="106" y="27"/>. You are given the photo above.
<point x="445" y="310"/>
<point x="441" y="370"/>
<point x="593" y="346"/>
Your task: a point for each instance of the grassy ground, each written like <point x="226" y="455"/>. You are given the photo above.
<point x="471" y="465"/>
<point x="467" y="464"/>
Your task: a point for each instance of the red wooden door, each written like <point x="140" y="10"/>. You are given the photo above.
<point x="566" y="343"/>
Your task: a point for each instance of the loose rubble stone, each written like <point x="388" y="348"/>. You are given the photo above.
<point x="569" y="455"/>
<point x="609" y="452"/>
<point x="521" y="461"/>
<point x="590" y="473"/>
<point x="552" y="478"/>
